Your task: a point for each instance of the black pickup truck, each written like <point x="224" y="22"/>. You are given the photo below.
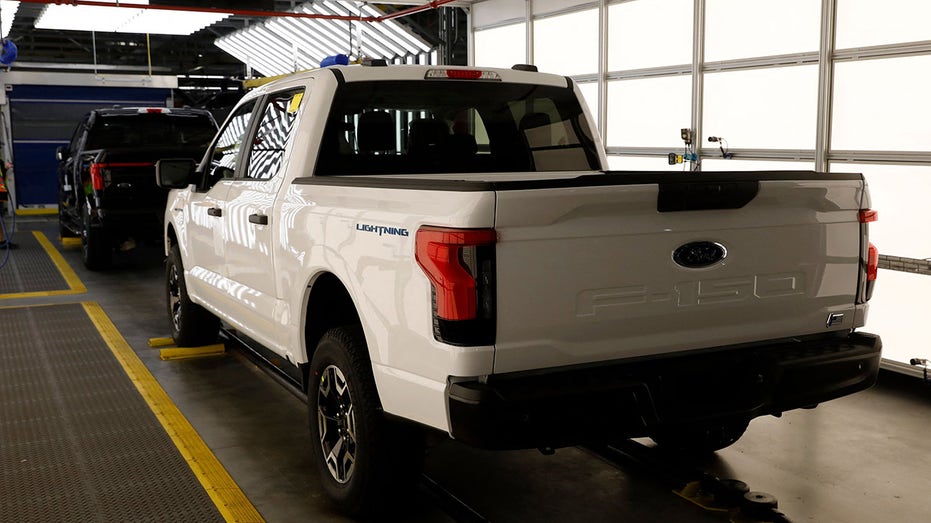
<point x="106" y="174"/>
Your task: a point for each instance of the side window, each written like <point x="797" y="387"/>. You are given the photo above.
<point x="74" y="146"/>
<point x="225" y="152"/>
<point x="271" y="137"/>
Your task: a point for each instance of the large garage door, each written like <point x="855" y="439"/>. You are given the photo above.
<point x="44" y="117"/>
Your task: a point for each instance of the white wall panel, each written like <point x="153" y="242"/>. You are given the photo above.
<point x="899" y="313"/>
<point x="774" y="108"/>
<point x="491" y="12"/>
<point x="747" y="28"/>
<point x="649" y="112"/>
<point x="542" y="7"/>
<point x="502" y="46"/>
<point x="862" y="23"/>
<point x="882" y="104"/>
<point x="649" y="34"/>
<point x="567" y="44"/>
<point x="900" y="194"/>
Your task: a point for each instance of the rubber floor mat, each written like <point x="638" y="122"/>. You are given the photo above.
<point x="77" y="440"/>
<point x="31" y="270"/>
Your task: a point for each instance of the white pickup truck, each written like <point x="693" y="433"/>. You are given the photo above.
<point x="442" y="247"/>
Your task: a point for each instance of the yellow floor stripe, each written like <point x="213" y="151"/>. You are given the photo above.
<point x="75" y="286"/>
<point x="74" y="283"/>
<point x="225" y="493"/>
<point x="37" y="212"/>
<point x="183" y="353"/>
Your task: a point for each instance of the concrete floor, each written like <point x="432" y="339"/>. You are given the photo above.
<point x="863" y="458"/>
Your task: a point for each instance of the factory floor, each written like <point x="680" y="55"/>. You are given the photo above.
<point x="84" y="401"/>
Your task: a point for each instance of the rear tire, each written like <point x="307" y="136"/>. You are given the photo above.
<point x="701" y="438"/>
<point x="96" y="251"/>
<point x="365" y="461"/>
<point x="191" y="324"/>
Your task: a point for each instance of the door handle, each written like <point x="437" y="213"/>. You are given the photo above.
<point x="258" y="219"/>
<point x="215" y="211"/>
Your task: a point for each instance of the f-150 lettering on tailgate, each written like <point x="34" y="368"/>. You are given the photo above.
<point x="691" y="293"/>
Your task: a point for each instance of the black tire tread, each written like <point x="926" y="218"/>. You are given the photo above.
<point x="394" y="459"/>
<point x="198" y="325"/>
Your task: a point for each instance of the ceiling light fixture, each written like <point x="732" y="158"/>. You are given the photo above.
<point x="7" y="13"/>
<point x="125" y="20"/>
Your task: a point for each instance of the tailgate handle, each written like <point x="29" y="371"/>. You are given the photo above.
<point x="215" y="211"/>
<point x="258" y="219"/>
<point x="707" y="195"/>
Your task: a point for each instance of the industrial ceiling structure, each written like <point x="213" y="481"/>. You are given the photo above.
<point x="269" y="36"/>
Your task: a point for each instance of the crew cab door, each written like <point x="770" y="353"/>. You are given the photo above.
<point x="206" y="256"/>
<point x="249" y="220"/>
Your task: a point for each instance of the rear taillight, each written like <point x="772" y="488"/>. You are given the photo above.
<point x="869" y="256"/>
<point x="872" y="270"/>
<point x="100" y="171"/>
<point x="97" y="175"/>
<point x="460" y="264"/>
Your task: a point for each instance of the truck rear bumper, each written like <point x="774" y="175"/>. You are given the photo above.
<point x="631" y="398"/>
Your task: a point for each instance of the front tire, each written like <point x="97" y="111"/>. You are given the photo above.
<point x="191" y="324"/>
<point x="365" y="461"/>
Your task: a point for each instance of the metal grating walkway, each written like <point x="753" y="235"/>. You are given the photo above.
<point x="77" y="440"/>
<point x="36" y="268"/>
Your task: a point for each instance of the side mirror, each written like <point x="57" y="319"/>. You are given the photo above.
<point x="175" y="173"/>
<point x="61" y="152"/>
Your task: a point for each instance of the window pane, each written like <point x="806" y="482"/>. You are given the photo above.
<point x="642" y="163"/>
<point x="709" y="163"/>
<point x="649" y="34"/>
<point x="900" y="194"/>
<point x="223" y="157"/>
<point x="862" y="23"/>
<point x="773" y="108"/>
<point x="882" y="104"/>
<point x="746" y="28"/>
<point x="567" y="44"/>
<point x="649" y="112"/>
<point x="271" y="138"/>
<point x="501" y="46"/>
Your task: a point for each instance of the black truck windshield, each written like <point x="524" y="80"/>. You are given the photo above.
<point x="150" y="130"/>
<point x="402" y="127"/>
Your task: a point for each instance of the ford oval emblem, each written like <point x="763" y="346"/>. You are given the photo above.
<point x="695" y="255"/>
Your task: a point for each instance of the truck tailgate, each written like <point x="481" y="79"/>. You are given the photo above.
<point x="587" y="273"/>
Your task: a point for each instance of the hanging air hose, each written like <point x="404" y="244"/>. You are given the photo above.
<point x="8" y="237"/>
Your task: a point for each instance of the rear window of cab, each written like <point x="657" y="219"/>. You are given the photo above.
<point x="401" y="127"/>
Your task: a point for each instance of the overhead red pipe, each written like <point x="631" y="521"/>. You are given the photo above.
<point x="247" y="12"/>
<point x="412" y="10"/>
